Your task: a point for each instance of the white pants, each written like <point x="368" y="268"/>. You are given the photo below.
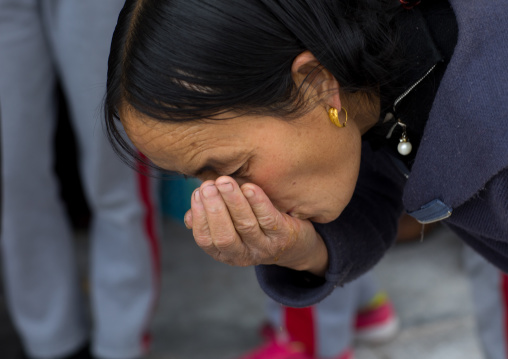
<point x="489" y="287"/>
<point x="40" y="40"/>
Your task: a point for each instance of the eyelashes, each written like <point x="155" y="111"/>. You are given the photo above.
<point x="241" y="172"/>
<point x="213" y="173"/>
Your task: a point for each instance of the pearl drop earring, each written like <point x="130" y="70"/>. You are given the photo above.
<point x="404" y="147"/>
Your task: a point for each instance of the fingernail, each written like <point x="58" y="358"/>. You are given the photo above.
<point x="225" y="187"/>
<point x="248" y="193"/>
<point x="197" y="196"/>
<point x="210" y="191"/>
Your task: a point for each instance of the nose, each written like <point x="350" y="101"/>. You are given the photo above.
<point x="207" y="177"/>
<point x="240" y="181"/>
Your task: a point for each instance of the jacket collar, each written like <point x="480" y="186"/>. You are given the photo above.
<point x="465" y="140"/>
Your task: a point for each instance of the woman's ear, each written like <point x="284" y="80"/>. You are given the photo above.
<point x="308" y="71"/>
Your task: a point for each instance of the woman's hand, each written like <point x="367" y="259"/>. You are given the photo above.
<point x="241" y="227"/>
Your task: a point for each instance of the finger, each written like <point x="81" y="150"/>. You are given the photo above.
<point x="269" y="218"/>
<point x="244" y="219"/>
<point x="187" y="219"/>
<point x="200" y="229"/>
<point x="278" y="227"/>
<point x="219" y="221"/>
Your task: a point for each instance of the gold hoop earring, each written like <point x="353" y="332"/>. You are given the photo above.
<point x="333" y="114"/>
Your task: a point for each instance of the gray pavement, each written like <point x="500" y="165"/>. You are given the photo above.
<point x="209" y="310"/>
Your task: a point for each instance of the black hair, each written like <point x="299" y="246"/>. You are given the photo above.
<point x="184" y="60"/>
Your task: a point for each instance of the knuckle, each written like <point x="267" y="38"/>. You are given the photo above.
<point x="246" y="226"/>
<point x="215" y="209"/>
<point x="224" y="242"/>
<point x="269" y="221"/>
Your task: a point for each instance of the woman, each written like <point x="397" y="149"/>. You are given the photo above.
<point x="315" y="123"/>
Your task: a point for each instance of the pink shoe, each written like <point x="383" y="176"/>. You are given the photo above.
<point x="348" y="354"/>
<point x="276" y="350"/>
<point x="377" y="323"/>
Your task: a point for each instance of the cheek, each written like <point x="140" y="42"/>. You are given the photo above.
<point x="347" y="168"/>
<point x="273" y="178"/>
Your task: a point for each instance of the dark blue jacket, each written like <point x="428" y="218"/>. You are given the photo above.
<point x="459" y="175"/>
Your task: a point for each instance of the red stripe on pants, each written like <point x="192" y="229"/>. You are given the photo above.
<point x="145" y="192"/>
<point x="504" y="293"/>
<point x="299" y="324"/>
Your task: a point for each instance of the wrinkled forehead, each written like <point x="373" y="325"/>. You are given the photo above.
<point x="180" y="147"/>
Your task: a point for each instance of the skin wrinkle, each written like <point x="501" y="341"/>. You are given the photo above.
<point x="155" y="130"/>
<point x="291" y="241"/>
<point x="151" y="129"/>
<point x="222" y="248"/>
<point x="199" y="145"/>
<point x="196" y="154"/>
<point x="246" y="227"/>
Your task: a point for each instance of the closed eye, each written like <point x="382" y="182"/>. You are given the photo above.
<point x="241" y="172"/>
